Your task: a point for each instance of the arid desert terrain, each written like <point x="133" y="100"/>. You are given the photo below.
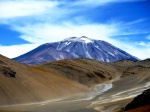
<point x="79" y="85"/>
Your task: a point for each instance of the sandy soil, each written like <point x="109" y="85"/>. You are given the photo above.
<point x="121" y="93"/>
<point x="33" y="85"/>
<point x="35" y="89"/>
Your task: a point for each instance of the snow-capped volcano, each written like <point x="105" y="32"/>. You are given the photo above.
<point x="83" y="39"/>
<point x="74" y="47"/>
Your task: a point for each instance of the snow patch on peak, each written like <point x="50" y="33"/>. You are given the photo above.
<point x="83" y="39"/>
<point x="67" y="43"/>
<point x="87" y="40"/>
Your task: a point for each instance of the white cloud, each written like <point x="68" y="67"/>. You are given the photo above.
<point x="16" y="50"/>
<point x="92" y="3"/>
<point x="148" y="37"/>
<point x="10" y="9"/>
<point x="42" y="33"/>
<point x="135" y="21"/>
<point x="139" y="52"/>
<point x="142" y="43"/>
<point x="138" y="49"/>
<point x="20" y="8"/>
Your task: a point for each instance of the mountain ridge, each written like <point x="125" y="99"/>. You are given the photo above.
<point x="88" y="72"/>
<point x="74" y="47"/>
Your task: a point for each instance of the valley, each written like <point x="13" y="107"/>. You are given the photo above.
<point x="101" y="94"/>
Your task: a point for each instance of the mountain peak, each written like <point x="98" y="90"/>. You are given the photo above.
<point x="83" y="39"/>
<point x="75" y="47"/>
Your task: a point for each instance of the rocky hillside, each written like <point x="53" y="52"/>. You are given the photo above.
<point x="90" y="72"/>
<point x="21" y="84"/>
<point x="130" y="68"/>
<point x="85" y="71"/>
<point x="139" y="101"/>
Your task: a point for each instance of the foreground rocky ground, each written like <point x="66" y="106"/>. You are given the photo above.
<point x="141" y="103"/>
<point x="80" y="85"/>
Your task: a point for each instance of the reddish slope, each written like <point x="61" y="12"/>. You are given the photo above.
<point x="139" y="101"/>
<point x="141" y="109"/>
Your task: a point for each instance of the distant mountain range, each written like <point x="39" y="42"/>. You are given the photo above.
<point x="75" y="47"/>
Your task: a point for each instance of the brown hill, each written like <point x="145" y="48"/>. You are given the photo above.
<point x="90" y="72"/>
<point x="85" y="71"/>
<point x="139" y="101"/>
<point x="134" y="80"/>
<point x="20" y="84"/>
<point x="141" y="109"/>
<point x="130" y="68"/>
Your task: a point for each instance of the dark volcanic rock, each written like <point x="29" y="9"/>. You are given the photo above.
<point x="139" y="101"/>
<point x="8" y="72"/>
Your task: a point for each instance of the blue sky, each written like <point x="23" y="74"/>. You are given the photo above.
<point x="26" y="24"/>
